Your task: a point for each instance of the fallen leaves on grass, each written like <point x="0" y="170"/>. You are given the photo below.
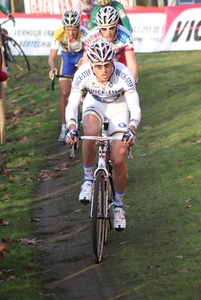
<point x="34" y="220"/>
<point x="3" y="248"/>
<point x="3" y="271"/>
<point x="28" y="242"/>
<point x="47" y="175"/>
<point x="63" y="167"/>
<point x="6" y="240"/>
<point x="54" y="157"/>
<point x="4" y="223"/>
<point x="147" y="127"/>
<point x="34" y="112"/>
<point x="187" y="270"/>
<point x="47" y="295"/>
<point x="3" y="168"/>
<point x="7" y="272"/>
<point x="189" y="199"/>
<point x="153" y="267"/>
<point x="187" y="206"/>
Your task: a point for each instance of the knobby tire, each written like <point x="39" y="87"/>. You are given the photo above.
<point x="99" y="213"/>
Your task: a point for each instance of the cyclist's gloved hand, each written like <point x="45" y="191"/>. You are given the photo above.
<point x="70" y="137"/>
<point x="129" y="137"/>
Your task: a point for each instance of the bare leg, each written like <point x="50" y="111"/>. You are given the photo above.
<point x="118" y="155"/>
<point x="65" y="87"/>
<point x="91" y="126"/>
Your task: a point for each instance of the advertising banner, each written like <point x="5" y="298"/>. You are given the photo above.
<point x="47" y="6"/>
<point x="182" y="28"/>
<point x="175" y="28"/>
<point x="148" y="26"/>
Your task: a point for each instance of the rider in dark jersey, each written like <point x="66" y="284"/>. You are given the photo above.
<point x="123" y="18"/>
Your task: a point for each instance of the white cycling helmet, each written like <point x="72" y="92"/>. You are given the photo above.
<point x="107" y="16"/>
<point x="71" y="19"/>
<point x="100" y="52"/>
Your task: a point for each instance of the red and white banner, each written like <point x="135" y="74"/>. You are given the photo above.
<point x="182" y="28"/>
<point x="47" y="6"/>
<point x="176" y="28"/>
<point x="57" y="6"/>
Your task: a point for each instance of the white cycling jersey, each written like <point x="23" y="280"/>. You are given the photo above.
<point x="119" y="90"/>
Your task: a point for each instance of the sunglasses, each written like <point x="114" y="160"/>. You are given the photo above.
<point x="99" y="67"/>
<point x="110" y="28"/>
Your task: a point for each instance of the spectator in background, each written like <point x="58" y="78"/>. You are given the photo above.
<point x="123" y="18"/>
<point x="84" y="8"/>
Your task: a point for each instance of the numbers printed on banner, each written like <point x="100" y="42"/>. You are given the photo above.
<point x="147" y="29"/>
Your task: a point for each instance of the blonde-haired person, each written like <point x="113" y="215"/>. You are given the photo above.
<point x="70" y="38"/>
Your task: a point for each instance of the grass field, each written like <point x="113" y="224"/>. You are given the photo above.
<point x="158" y="255"/>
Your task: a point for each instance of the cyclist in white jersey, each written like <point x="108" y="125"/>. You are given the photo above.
<point x="111" y="94"/>
<point x="118" y="36"/>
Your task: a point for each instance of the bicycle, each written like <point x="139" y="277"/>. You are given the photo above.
<point x="12" y="52"/>
<point x="103" y="192"/>
<point x="75" y="146"/>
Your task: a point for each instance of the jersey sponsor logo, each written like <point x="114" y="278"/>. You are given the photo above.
<point x="79" y="79"/>
<point x="90" y="107"/>
<point x="122" y="125"/>
<point x="106" y="100"/>
<point x="125" y="77"/>
<point x="84" y="31"/>
<point x="93" y="38"/>
<point x="122" y="36"/>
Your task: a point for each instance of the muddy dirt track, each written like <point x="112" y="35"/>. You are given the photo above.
<point x="68" y="269"/>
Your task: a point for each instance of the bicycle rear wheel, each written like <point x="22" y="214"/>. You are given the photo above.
<point x="15" y="54"/>
<point x="99" y="216"/>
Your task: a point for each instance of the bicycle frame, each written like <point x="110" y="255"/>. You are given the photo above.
<point x="102" y="194"/>
<point x="102" y="191"/>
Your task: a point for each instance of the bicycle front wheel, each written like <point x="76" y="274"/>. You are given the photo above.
<point x="99" y="216"/>
<point x="15" y="54"/>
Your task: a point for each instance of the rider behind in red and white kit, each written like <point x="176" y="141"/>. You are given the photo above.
<point x="112" y="95"/>
<point x="118" y="36"/>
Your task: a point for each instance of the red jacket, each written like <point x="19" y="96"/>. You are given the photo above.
<point x="3" y="75"/>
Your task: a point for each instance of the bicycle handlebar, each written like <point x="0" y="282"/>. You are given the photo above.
<point x="99" y="138"/>
<point x="10" y="18"/>
<point x="106" y="138"/>
<point x="59" y="76"/>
